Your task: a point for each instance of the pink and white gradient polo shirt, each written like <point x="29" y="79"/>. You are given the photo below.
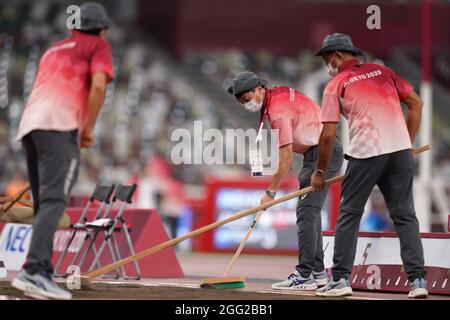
<point x="59" y="99"/>
<point x="369" y="96"/>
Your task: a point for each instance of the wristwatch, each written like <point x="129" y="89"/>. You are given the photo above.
<point x="320" y="172"/>
<point x="271" y="194"/>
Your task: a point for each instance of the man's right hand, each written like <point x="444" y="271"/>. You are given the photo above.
<point x="87" y="138"/>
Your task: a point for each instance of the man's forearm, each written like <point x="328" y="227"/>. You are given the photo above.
<point x="95" y="102"/>
<point x="413" y="123"/>
<point x="325" y="151"/>
<point x="283" y="169"/>
<point x="415" y="106"/>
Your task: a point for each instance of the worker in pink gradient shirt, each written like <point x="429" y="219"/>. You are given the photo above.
<point x="369" y="96"/>
<point x="59" y="118"/>
<point x="297" y="119"/>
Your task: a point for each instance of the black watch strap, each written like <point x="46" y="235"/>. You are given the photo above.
<point x="271" y="194"/>
<point x="320" y="172"/>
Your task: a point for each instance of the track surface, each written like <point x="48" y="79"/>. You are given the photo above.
<point x="128" y="291"/>
<point x="260" y="273"/>
<point x="147" y="289"/>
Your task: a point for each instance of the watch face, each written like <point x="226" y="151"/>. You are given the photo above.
<point x="271" y="194"/>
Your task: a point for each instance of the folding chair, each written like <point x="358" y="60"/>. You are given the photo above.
<point x="92" y="228"/>
<point x="109" y="226"/>
<point x="91" y="236"/>
<point x="102" y="194"/>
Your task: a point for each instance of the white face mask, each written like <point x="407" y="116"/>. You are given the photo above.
<point x="253" y="106"/>
<point x="331" y="71"/>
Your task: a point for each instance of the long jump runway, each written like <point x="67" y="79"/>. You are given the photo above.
<point x="188" y="289"/>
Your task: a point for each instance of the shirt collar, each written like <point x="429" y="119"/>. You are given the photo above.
<point x="349" y="64"/>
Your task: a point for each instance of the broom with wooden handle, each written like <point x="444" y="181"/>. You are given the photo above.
<point x="243" y="242"/>
<point x="86" y="277"/>
<point x="227" y="282"/>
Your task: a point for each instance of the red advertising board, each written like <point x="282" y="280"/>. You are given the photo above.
<point x="146" y="231"/>
<point x="378" y="264"/>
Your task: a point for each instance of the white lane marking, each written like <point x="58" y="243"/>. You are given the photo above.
<point x="156" y="284"/>
<point x="197" y="286"/>
<point x="3" y="297"/>
<point x="364" y="298"/>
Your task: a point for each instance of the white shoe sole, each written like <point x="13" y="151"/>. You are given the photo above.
<point x="30" y="290"/>
<point x="336" y="292"/>
<point x="302" y="287"/>
<point x="418" y="293"/>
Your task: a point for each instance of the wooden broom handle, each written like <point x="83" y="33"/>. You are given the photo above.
<point x="15" y="198"/>
<point x="420" y="149"/>
<point x="149" y="251"/>
<point x="243" y="242"/>
<point x="252" y="227"/>
<point x="214" y="225"/>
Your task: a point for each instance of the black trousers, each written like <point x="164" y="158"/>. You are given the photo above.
<point x="309" y="206"/>
<point x="53" y="159"/>
<point x="393" y="173"/>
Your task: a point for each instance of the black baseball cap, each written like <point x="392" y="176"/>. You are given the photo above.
<point x="94" y="16"/>
<point x="338" y="42"/>
<point x="245" y="81"/>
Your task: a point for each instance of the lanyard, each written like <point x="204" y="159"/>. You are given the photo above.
<point x="259" y="135"/>
<point x="261" y="125"/>
<point x="255" y="155"/>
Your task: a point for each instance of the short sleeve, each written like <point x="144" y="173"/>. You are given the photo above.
<point x="283" y="125"/>
<point x="102" y="61"/>
<point x="331" y="110"/>
<point x="402" y="86"/>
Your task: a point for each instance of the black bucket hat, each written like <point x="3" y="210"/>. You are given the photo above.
<point x="245" y="81"/>
<point x="338" y="42"/>
<point x="94" y="16"/>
